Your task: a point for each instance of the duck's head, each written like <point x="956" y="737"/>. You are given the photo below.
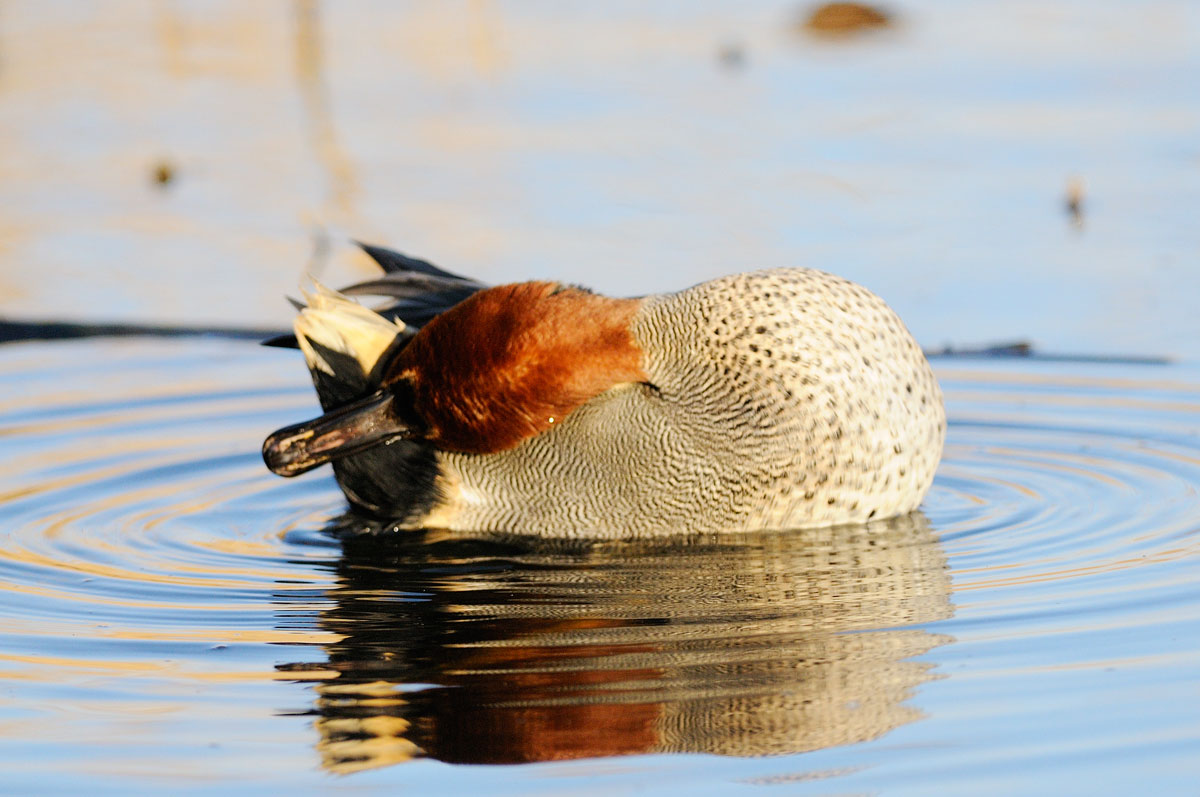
<point x="504" y="365"/>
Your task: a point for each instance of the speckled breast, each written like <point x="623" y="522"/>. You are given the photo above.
<point x="775" y="399"/>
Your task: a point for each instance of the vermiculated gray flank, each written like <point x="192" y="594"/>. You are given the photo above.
<point x="778" y="399"/>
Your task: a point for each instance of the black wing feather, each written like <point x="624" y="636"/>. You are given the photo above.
<point x="420" y="291"/>
<point x="392" y="261"/>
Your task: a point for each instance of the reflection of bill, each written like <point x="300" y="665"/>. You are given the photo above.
<point x="742" y="645"/>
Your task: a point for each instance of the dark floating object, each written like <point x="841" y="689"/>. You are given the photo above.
<point x="732" y="56"/>
<point x="16" y="331"/>
<point x="163" y="173"/>
<point x="1024" y="350"/>
<point x="1073" y="201"/>
<point x="839" y="19"/>
<point x="844" y="19"/>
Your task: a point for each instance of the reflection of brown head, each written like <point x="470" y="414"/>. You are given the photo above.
<point x="731" y="645"/>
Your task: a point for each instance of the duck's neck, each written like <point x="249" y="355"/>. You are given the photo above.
<point x="511" y="361"/>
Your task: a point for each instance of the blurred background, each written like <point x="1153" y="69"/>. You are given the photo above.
<point x="997" y="170"/>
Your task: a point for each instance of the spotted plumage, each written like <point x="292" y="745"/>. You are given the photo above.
<point x="768" y="399"/>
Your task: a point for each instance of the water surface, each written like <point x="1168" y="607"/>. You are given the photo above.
<point x="174" y="618"/>
<point x="170" y="612"/>
<point x="610" y="144"/>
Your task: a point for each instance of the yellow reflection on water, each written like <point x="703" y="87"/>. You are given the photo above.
<point x="1040" y="576"/>
<point x="67" y="668"/>
<point x="749" y="645"/>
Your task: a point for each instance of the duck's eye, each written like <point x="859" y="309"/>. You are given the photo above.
<point x="651" y="390"/>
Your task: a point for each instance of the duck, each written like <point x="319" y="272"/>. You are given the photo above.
<point x="771" y="399"/>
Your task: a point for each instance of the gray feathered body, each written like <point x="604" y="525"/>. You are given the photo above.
<point x="776" y="399"/>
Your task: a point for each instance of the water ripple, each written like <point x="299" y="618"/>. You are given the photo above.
<point x="152" y="569"/>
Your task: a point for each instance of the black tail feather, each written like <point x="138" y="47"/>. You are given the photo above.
<point x="419" y="290"/>
<point x="391" y="262"/>
<point x="408" y="285"/>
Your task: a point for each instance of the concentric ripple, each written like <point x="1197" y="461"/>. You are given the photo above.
<point x="168" y="608"/>
<point x="1049" y="479"/>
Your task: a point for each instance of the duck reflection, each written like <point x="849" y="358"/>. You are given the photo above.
<point x="490" y="651"/>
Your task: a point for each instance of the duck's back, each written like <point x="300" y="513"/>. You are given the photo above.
<point x="774" y="399"/>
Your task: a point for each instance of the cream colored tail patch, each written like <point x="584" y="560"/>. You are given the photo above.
<point x="338" y="323"/>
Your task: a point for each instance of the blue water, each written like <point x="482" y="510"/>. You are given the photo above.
<point x="608" y="144"/>
<point x="173" y="614"/>
<point x="175" y="619"/>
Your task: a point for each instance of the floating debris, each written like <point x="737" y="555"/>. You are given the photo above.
<point x="1023" y="349"/>
<point x="12" y="331"/>
<point x="1073" y="202"/>
<point x="845" y="19"/>
<point x="163" y="173"/>
<point x="732" y="56"/>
